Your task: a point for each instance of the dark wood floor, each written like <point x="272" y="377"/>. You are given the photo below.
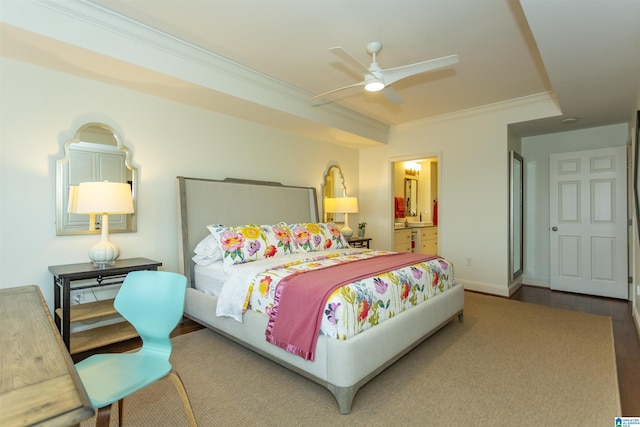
<point x="627" y="345"/>
<point x="184" y="327"/>
<point x="625" y="336"/>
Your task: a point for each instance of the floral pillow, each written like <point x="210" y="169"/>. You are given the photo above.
<point x="313" y="236"/>
<point x="251" y="242"/>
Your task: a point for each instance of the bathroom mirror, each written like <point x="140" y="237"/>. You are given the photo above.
<point x="333" y="186"/>
<point x="516" y="222"/>
<point x="95" y="153"/>
<point x="411" y="196"/>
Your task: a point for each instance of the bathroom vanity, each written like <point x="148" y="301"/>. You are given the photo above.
<point x="402" y="239"/>
<point x="425" y="239"/>
<point x="418" y="237"/>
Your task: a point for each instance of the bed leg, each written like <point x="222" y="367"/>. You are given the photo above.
<point x="344" y="396"/>
<point x="461" y="317"/>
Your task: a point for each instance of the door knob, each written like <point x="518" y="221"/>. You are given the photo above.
<point x="554" y="228"/>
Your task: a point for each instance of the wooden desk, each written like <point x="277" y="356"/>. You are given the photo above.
<point x="39" y="384"/>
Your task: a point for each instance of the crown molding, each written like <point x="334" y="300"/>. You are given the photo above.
<point x="92" y="27"/>
<point x="540" y="98"/>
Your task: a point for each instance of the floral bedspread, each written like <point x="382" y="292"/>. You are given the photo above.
<point x="365" y="303"/>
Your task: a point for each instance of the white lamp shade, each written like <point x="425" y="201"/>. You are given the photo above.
<point x="346" y="204"/>
<point x="104" y="197"/>
<point x="329" y="204"/>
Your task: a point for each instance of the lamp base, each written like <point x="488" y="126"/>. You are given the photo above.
<point x="347" y="231"/>
<point x="101" y="265"/>
<point x="104" y="254"/>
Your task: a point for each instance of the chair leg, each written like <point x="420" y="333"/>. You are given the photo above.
<point x="103" y="417"/>
<point x="179" y="385"/>
<point x="120" y="411"/>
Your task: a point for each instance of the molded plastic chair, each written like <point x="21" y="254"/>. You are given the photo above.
<point x="153" y="302"/>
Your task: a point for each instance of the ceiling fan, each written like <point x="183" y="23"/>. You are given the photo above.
<point x="377" y="79"/>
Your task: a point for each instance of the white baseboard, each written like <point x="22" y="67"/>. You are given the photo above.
<point x="486" y="288"/>
<point x="536" y="281"/>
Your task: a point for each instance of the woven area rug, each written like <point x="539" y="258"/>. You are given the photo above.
<point x="509" y="363"/>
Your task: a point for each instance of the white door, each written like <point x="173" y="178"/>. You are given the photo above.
<point x="588" y="235"/>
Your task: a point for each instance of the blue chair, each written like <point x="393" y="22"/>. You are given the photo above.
<point x="153" y="302"/>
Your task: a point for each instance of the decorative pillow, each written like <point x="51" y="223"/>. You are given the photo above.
<point x="251" y="242"/>
<point x="207" y="251"/>
<point x="317" y="236"/>
<point x="332" y="232"/>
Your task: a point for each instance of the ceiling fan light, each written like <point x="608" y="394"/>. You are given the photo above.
<point x="374" y="86"/>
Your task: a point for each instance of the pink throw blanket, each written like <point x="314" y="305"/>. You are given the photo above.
<point x="294" y="321"/>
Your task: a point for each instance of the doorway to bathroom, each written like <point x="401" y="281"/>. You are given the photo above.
<point x="416" y="184"/>
<point x="416" y="190"/>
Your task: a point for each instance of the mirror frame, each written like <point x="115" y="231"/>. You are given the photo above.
<point x="336" y="172"/>
<point x="62" y="196"/>
<point x="516" y="215"/>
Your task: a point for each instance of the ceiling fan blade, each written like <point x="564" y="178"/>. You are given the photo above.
<point x="392" y="75"/>
<point x="322" y="95"/>
<point x="392" y="95"/>
<point x="347" y="57"/>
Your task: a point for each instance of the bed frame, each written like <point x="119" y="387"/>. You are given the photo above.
<point x="341" y="366"/>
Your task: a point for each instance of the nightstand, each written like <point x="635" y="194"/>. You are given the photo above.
<point x="359" y="242"/>
<point x="65" y="313"/>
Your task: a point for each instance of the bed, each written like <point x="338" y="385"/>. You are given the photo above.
<point x="343" y="366"/>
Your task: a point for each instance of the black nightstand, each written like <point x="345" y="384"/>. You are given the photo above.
<point x="359" y="242"/>
<point x="65" y="313"/>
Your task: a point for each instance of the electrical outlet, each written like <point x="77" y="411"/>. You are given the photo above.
<point x="469" y="262"/>
<point x="638" y="290"/>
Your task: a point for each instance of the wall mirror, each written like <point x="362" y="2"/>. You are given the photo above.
<point x="95" y="153"/>
<point x="516" y="222"/>
<point x="411" y="196"/>
<point x="333" y="186"/>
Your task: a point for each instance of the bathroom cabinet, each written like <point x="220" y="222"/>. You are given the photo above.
<point x="402" y="240"/>
<point x="426" y="240"/>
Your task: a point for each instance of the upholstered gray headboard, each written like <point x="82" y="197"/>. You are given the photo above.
<point x="235" y="202"/>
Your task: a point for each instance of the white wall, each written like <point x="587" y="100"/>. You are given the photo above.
<point x="536" y="151"/>
<point x="40" y="109"/>
<point x="473" y="198"/>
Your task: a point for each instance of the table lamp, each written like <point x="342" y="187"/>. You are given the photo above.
<point x="329" y="208"/>
<point x="346" y="205"/>
<point x="104" y="198"/>
<point x="72" y="207"/>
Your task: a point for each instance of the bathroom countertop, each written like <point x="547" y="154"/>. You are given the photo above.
<point x="399" y="226"/>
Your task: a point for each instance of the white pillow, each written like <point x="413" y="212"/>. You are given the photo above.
<point x="207" y="251"/>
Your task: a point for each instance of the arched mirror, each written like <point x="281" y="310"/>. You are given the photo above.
<point x="333" y="186"/>
<point x="95" y="153"/>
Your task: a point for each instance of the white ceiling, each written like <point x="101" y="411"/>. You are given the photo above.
<point x="585" y="53"/>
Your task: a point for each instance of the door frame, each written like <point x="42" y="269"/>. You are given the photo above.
<point x="410" y="158"/>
